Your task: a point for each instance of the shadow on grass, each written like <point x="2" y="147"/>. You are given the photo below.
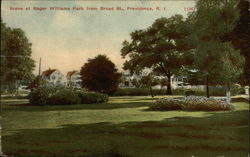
<point x="103" y="106"/>
<point x="240" y="99"/>
<point x="221" y="134"/>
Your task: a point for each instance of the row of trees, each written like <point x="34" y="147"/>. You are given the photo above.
<point x="197" y="46"/>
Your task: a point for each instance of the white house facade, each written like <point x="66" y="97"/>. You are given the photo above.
<point x="73" y="78"/>
<point x="54" y="77"/>
<point x="176" y="81"/>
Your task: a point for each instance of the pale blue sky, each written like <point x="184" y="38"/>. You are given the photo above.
<point x="66" y="39"/>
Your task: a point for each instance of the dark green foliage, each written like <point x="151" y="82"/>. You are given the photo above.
<point x="240" y="38"/>
<point x="215" y="62"/>
<point x="37" y="82"/>
<point x="214" y="91"/>
<point x="161" y="47"/>
<point x="16" y="61"/>
<point x="64" y="96"/>
<point x="41" y="95"/>
<point x="100" y="75"/>
<point x="189" y="92"/>
<point x="138" y="92"/>
<point x="91" y="97"/>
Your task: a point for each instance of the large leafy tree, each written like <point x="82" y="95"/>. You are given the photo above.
<point x="16" y="61"/>
<point x="162" y="47"/>
<point x="240" y="38"/>
<point x="100" y="74"/>
<point x="216" y="62"/>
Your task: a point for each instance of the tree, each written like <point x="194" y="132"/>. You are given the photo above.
<point x="149" y="81"/>
<point x="100" y="75"/>
<point x="16" y="61"/>
<point x="135" y="82"/>
<point x="162" y="47"/>
<point x="240" y="38"/>
<point x="216" y="61"/>
<point x="37" y="82"/>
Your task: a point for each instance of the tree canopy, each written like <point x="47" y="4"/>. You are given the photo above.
<point x="240" y="38"/>
<point x="161" y="47"/>
<point x="100" y="75"/>
<point x="16" y="61"/>
<point x="216" y="62"/>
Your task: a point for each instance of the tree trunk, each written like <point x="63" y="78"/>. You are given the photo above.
<point x="207" y="84"/>
<point x="151" y="91"/>
<point x="169" y="90"/>
<point x="228" y="94"/>
<point x="17" y="86"/>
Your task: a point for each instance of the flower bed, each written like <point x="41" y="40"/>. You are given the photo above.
<point x="191" y="103"/>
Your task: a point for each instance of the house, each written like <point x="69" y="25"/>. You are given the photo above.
<point x="73" y="78"/>
<point x="176" y="81"/>
<point x="53" y="76"/>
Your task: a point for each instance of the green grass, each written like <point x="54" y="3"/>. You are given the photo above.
<point x="123" y="127"/>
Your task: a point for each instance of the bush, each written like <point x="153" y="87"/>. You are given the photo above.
<point x="191" y="104"/>
<point x="91" y="97"/>
<point x="64" y="96"/>
<point x="189" y="92"/>
<point x="41" y="95"/>
<point x="138" y="92"/>
<point x="217" y="91"/>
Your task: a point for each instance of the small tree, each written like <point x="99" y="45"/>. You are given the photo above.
<point x="149" y="81"/>
<point x="37" y="82"/>
<point x="100" y="75"/>
<point x="135" y="82"/>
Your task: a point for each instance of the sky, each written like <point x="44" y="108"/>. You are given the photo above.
<point x="66" y="39"/>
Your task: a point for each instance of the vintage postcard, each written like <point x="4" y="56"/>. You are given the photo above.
<point x="141" y="78"/>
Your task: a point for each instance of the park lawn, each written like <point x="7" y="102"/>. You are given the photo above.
<point x="122" y="127"/>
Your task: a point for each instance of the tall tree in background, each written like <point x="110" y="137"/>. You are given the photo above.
<point x="16" y="61"/>
<point x="240" y="38"/>
<point x="161" y="47"/>
<point x="218" y="62"/>
<point x="100" y="75"/>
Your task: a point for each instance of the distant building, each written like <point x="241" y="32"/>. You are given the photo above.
<point x="73" y="78"/>
<point x="53" y="77"/>
<point x="176" y="81"/>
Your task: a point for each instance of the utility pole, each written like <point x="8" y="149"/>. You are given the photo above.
<point x="39" y="73"/>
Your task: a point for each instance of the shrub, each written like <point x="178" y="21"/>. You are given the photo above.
<point x="91" y="97"/>
<point x="189" y="92"/>
<point x="41" y="95"/>
<point x="64" y="97"/>
<point x="217" y="91"/>
<point x="192" y="104"/>
<point x="138" y="92"/>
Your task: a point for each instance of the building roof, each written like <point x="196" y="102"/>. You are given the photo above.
<point x="70" y="73"/>
<point x="48" y="72"/>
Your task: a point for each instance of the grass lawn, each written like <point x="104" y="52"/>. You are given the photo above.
<point x="123" y="127"/>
